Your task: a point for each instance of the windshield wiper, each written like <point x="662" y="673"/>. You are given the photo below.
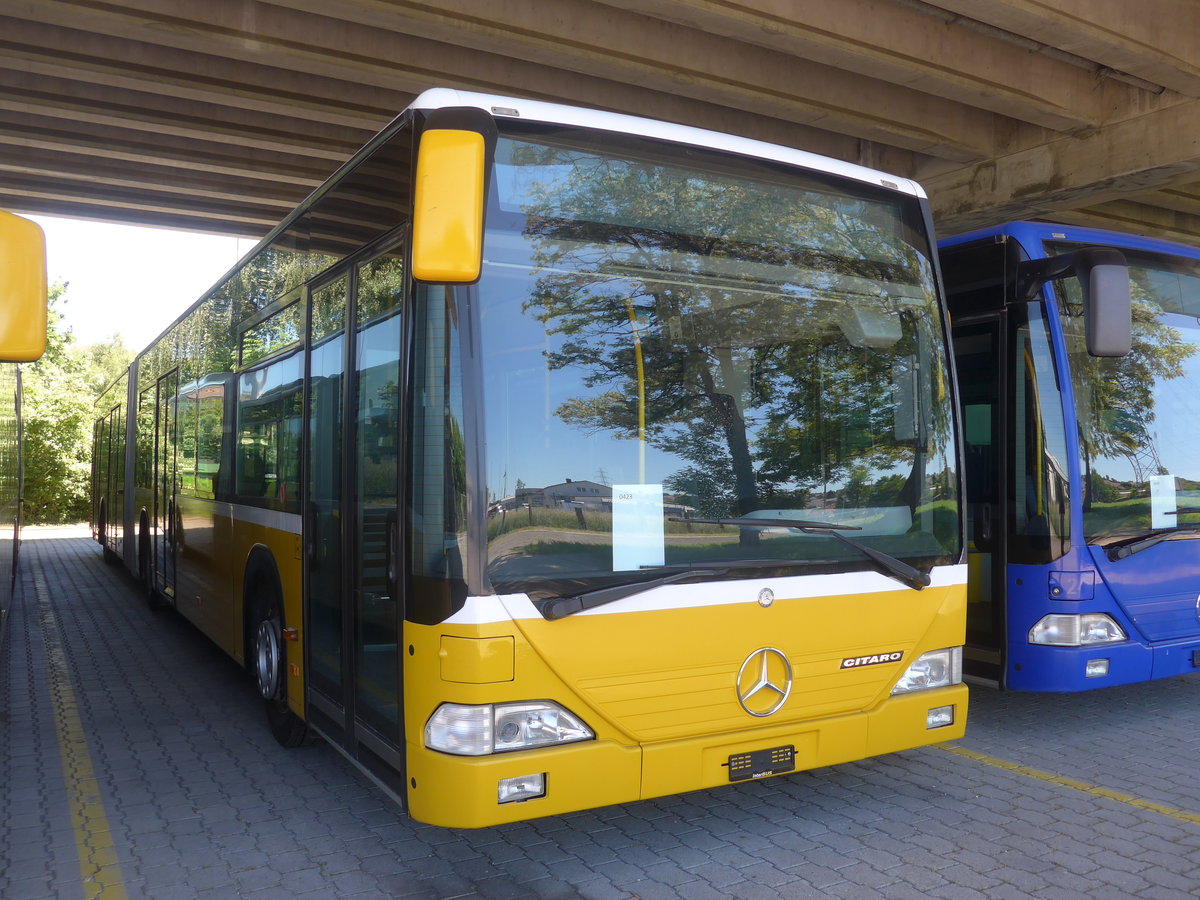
<point x="889" y="565"/>
<point x="1129" y="546"/>
<point x="561" y="607"/>
<point x="558" y="607"/>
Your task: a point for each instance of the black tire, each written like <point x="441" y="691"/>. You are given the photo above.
<point x="267" y="659"/>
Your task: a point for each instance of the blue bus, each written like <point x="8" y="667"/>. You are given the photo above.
<point x="1082" y="471"/>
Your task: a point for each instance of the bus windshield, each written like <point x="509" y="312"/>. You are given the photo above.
<point x="1136" y="414"/>
<point x="673" y="336"/>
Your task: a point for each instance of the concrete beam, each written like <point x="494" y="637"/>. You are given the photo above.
<point x="1157" y="150"/>
<point x="1152" y="39"/>
<point x="629" y="42"/>
<point x="122" y="65"/>
<point x="1181" y="198"/>
<point x="908" y="45"/>
<point x="127" y="65"/>
<point x="615" y="67"/>
<point x="1132" y="217"/>
<point x="142" y="111"/>
<point x="21" y="130"/>
<point x="135" y="208"/>
<point x="80" y="172"/>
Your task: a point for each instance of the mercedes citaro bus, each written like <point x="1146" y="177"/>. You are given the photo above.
<point x="547" y="458"/>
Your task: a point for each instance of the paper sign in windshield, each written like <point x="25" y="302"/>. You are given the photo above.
<point x="1162" y="501"/>
<point x="638" y="538"/>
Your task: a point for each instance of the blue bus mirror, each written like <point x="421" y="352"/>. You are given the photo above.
<point x="1104" y="279"/>
<point x="1107" y="310"/>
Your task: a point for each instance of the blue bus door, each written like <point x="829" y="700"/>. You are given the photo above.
<point x="975" y="285"/>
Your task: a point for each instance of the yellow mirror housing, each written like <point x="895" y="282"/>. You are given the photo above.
<point x="22" y="289"/>
<point x="447" y="239"/>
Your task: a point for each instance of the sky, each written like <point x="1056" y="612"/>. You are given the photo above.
<point x="129" y="280"/>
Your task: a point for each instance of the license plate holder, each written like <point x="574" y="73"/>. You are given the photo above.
<point x="762" y="763"/>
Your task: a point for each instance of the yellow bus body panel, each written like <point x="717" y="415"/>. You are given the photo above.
<point x="286" y="548"/>
<point x="214" y="548"/>
<point x="658" y="688"/>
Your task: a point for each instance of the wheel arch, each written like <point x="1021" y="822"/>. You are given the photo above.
<point x="262" y="584"/>
<point x="261" y="573"/>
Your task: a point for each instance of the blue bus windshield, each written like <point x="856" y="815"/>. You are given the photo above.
<point x="1137" y="415"/>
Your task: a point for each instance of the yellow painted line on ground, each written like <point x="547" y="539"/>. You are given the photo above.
<point x="98" y="865"/>
<point x="1081" y="786"/>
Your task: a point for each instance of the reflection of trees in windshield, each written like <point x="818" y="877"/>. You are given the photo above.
<point x="723" y="337"/>
<point x="1121" y="404"/>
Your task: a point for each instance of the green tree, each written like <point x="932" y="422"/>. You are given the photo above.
<point x="60" y="392"/>
<point x="1116" y="397"/>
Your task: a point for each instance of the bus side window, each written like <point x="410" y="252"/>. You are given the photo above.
<point x="268" y="434"/>
<point x="1039" y="508"/>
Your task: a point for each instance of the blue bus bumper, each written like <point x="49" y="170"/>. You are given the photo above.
<point x="1064" y="669"/>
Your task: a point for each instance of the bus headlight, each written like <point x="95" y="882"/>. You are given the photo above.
<point x="938" y="668"/>
<point x="480" y="730"/>
<point x="1063" y="630"/>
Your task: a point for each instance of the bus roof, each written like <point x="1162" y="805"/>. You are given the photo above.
<point x="539" y="111"/>
<point x="1031" y="234"/>
<point x="554" y="113"/>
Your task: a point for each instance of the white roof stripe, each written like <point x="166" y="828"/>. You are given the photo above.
<point x="538" y="111"/>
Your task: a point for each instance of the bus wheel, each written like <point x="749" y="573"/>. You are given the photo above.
<point x="269" y="665"/>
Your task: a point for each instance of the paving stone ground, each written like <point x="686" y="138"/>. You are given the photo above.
<point x="129" y="740"/>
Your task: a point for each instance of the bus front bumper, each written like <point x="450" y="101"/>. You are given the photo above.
<point x="464" y="792"/>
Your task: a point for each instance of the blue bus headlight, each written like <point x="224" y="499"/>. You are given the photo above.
<point x="1064" y="630"/>
<point x="938" y="668"/>
<point x="496" y="728"/>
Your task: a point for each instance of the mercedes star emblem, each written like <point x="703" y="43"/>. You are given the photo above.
<point x="764" y="682"/>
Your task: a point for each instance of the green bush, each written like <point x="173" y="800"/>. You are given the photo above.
<point x="61" y="389"/>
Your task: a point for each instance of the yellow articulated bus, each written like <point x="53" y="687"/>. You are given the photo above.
<point x="547" y="458"/>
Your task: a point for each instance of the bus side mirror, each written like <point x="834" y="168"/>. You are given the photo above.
<point x="449" y="195"/>
<point x="22" y="289"/>
<point x="1107" y="309"/>
<point x="1104" y="278"/>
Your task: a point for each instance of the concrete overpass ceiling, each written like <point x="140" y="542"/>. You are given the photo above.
<point x="221" y="116"/>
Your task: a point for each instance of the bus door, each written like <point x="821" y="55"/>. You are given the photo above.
<point x="324" y="479"/>
<point x="100" y="459"/>
<point x="977" y="357"/>
<point x="353" y="412"/>
<point x="110" y="454"/>
<point x="165" y="485"/>
<point x="376" y="393"/>
<point x="975" y="286"/>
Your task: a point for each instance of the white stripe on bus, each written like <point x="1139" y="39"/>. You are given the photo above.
<point x="288" y="523"/>
<point x="508" y="607"/>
